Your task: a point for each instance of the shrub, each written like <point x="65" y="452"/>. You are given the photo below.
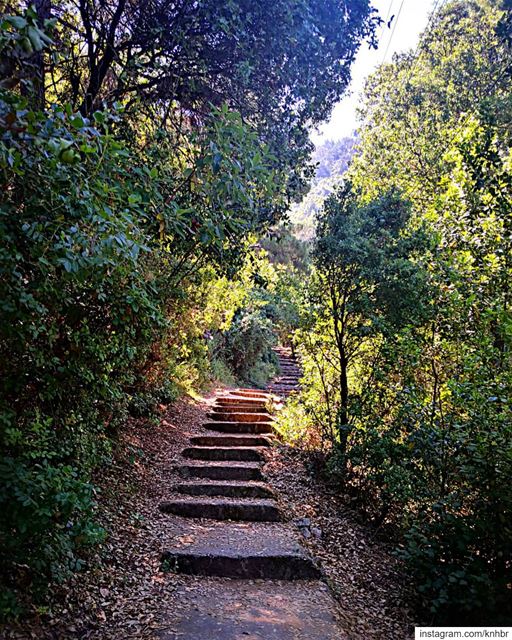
<point x="247" y="348"/>
<point x="47" y="514"/>
<point x="103" y="242"/>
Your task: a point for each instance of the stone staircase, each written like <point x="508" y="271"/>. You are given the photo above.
<point x="288" y="381"/>
<point x="231" y="524"/>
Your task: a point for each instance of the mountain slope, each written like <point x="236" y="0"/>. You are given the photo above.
<point x="333" y="158"/>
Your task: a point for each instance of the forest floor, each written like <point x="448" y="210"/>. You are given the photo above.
<point x="122" y="592"/>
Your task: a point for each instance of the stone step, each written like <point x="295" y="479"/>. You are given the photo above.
<point x="286" y="387"/>
<point x="246" y="454"/>
<point x="243" y="400"/>
<point x="231" y="441"/>
<point x="223" y="509"/>
<point x="229" y="489"/>
<point x="239" y="550"/>
<point x="222" y="471"/>
<point x="252" y="393"/>
<point x="227" y="416"/>
<point x="238" y="408"/>
<point x="286" y="390"/>
<point x="284" y="393"/>
<point x="228" y="426"/>
<point x="216" y="609"/>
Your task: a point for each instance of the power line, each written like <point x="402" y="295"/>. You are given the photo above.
<point x="383" y="26"/>
<point x="393" y="31"/>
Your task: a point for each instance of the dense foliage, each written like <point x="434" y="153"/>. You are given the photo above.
<point x="267" y="316"/>
<point x="406" y="336"/>
<point x="144" y="147"/>
<point x="282" y="65"/>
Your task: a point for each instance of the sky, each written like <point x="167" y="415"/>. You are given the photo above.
<point x="407" y="25"/>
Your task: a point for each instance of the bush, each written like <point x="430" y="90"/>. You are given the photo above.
<point x="145" y="403"/>
<point x="247" y="348"/>
<point x="220" y="371"/>
<point x="77" y="311"/>
<point x="415" y="349"/>
<point x="48" y="512"/>
<point x="103" y="243"/>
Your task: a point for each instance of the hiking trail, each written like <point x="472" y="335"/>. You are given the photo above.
<point x="259" y="582"/>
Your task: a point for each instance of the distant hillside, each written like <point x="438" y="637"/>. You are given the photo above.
<point x="333" y="158"/>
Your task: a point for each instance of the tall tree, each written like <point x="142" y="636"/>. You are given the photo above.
<point x="412" y="106"/>
<point x="366" y="287"/>
<point x="282" y="64"/>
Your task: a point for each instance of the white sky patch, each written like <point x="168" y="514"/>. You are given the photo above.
<point x="411" y="22"/>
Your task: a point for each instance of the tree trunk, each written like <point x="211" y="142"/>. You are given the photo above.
<point x="99" y="66"/>
<point x="43" y="9"/>
<point x="343" y="411"/>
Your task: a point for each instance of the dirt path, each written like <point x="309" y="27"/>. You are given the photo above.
<point x="227" y="525"/>
<point x="225" y="578"/>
